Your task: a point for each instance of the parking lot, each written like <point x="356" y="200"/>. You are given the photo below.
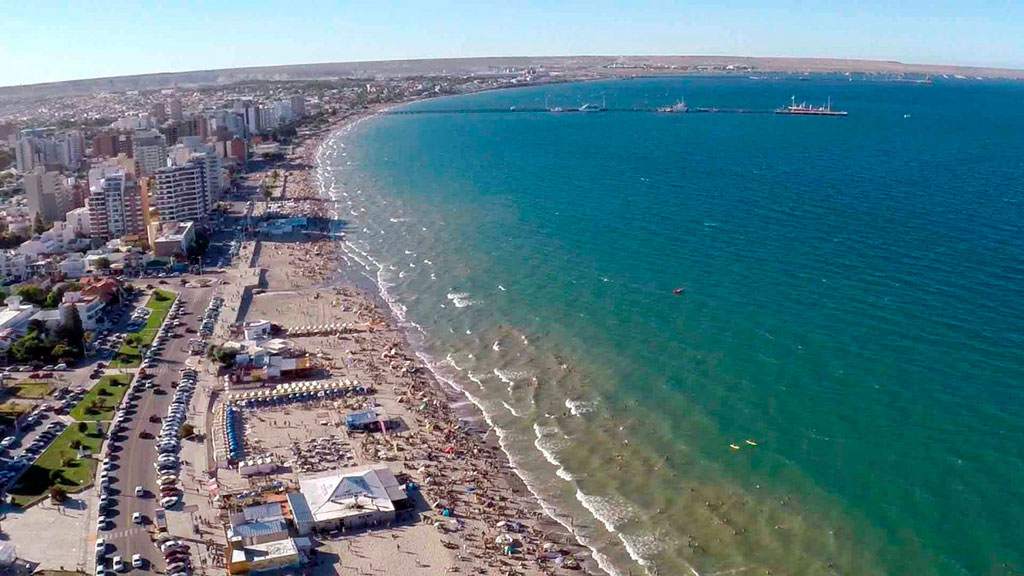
<point x="139" y="476"/>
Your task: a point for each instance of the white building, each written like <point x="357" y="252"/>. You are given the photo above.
<point x="116" y="208"/>
<point x="90" y="308"/>
<point x="353" y="498"/>
<point x="180" y="193"/>
<point x="77" y="222"/>
<point x="14" y="266"/>
<point x="16" y="315"/>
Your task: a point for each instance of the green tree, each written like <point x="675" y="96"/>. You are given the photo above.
<point x="30" y="348"/>
<point x="82" y="427"/>
<point x="32" y="294"/>
<point x="103" y="263"/>
<point x="38" y="226"/>
<point x="71" y="334"/>
<point x="56" y="295"/>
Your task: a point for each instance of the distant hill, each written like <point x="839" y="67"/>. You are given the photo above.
<point x="576" y="65"/>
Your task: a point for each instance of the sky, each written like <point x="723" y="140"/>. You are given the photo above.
<point x="45" y="40"/>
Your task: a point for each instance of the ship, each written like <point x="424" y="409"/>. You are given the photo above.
<point x="678" y="107"/>
<point x="805" y="109"/>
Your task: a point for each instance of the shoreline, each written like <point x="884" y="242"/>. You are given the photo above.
<point x="475" y="425"/>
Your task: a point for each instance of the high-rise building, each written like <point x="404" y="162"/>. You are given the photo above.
<point x="117" y="207"/>
<point x="158" y="112"/>
<point x="70" y="148"/>
<point x="176" y="110"/>
<point x="298" y="103"/>
<point x="149" y="148"/>
<point x="46" y="194"/>
<point x="180" y="193"/>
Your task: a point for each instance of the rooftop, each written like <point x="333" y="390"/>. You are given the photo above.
<point x="351" y="492"/>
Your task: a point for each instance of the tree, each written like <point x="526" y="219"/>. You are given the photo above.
<point x="58" y="494"/>
<point x="32" y="294"/>
<point x="82" y="427"/>
<point x="30" y="348"/>
<point x="56" y="296"/>
<point x="187" y="430"/>
<point x="38" y="226"/>
<point x="71" y="335"/>
<point x="102" y="263"/>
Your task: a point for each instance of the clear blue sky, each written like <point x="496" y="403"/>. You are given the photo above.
<point x="44" y="40"/>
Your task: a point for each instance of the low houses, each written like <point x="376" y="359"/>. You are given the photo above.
<point x="353" y="498"/>
<point x="259" y="540"/>
<point x="92" y="299"/>
<point x="172" y="239"/>
<point x="257" y="330"/>
<point x="365" y="421"/>
<point x="14" y="266"/>
<point x="14" y="319"/>
<point x="16" y="315"/>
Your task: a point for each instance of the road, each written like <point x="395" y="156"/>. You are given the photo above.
<point x="136" y="455"/>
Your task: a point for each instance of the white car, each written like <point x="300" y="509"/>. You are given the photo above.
<point x="136" y="560"/>
<point x="6" y="442"/>
<point x="118" y="564"/>
<point x="137" y="517"/>
<point x="101" y="545"/>
<point x="139" y="490"/>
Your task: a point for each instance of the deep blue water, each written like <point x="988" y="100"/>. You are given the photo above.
<point x="853" y="305"/>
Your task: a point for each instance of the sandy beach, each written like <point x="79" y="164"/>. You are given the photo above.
<point x="495" y="525"/>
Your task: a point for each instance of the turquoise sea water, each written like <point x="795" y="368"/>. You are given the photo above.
<point x="854" y="305"/>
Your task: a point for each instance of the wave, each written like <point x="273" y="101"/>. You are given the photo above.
<point x="375" y="272"/>
<point x="460" y="299"/>
<point x="580" y="407"/>
<point x="548" y="446"/>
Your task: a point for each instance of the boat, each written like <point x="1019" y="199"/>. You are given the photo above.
<point x="734" y="446"/>
<point x="805" y="109"/>
<point x="679" y="291"/>
<point x="678" y="107"/>
<point x="750" y="442"/>
<point x="592" y="107"/>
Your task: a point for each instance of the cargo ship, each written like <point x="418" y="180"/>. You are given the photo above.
<point x="678" y="107"/>
<point x="805" y="109"/>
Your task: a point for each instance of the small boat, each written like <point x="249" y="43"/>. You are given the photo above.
<point x="679" y="291"/>
<point x="750" y="442"/>
<point x="734" y="446"/>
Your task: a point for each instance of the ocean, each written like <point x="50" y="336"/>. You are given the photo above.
<point x="838" y="387"/>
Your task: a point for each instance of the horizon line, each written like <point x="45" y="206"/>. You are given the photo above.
<point x="819" y="59"/>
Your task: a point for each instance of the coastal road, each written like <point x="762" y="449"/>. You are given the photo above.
<point x="136" y="455"/>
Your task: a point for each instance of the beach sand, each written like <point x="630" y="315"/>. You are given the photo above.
<point x="451" y="456"/>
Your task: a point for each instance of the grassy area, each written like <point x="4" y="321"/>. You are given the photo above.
<point x="101" y="401"/>
<point x="60" y="465"/>
<point x="129" y="355"/>
<point x="11" y="410"/>
<point x="32" y="390"/>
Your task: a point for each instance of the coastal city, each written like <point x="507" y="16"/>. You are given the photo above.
<point x="187" y="387"/>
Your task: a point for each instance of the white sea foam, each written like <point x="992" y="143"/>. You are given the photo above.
<point x="509" y="377"/>
<point x="500" y="287"/>
<point x="460" y="299"/>
<point x="548" y="441"/>
<point x="579" y="407"/>
<point x="610" y="512"/>
<point x="511" y="410"/>
<point x="496" y="346"/>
